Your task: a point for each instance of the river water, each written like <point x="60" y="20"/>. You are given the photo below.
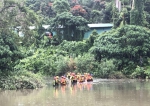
<point x="101" y="92"/>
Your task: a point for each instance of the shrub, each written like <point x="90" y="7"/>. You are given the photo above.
<point x="105" y="69"/>
<point x="85" y="63"/>
<point x="21" y="80"/>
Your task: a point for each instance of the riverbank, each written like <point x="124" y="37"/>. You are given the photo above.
<point x="21" y="80"/>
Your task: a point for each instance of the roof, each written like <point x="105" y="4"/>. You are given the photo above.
<point x="31" y="27"/>
<point x="90" y="25"/>
<point x="45" y="26"/>
<point x="100" y="25"/>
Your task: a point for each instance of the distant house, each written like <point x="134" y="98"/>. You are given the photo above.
<point x="102" y="27"/>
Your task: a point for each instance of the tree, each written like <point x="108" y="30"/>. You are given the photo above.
<point x="78" y="10"/>
<point x="60" y="6"/>
<point x="9" y="52"/>
<point x="96" y="16"/>
<point x="70" y="27"/>
<point x="107" y="13"/>
<point x="13" y="14"/>
<point x="126" y="44"/>
<point x="147" y="13"/>
<point x="41" y="7"/>
<point x="137" y="13"/>
<point x="99" y="4"/>
<point x="115" y="16"/>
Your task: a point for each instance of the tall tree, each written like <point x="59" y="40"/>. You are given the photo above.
<point x="13" y="13"/>
<point x="60" y="6"/>
<point x="126" y="44"/>
<point x="9" y="52"/>
<point x="147" y="13"/>
<point x="137" y="13"/>
<point x="96" y="16"/>
<point x="69" y="27"/>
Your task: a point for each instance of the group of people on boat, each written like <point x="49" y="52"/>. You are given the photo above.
<point x="73" y="78"/>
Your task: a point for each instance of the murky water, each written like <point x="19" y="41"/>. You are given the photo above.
<point x="98" y="93"/>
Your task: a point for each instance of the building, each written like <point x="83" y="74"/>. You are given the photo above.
<point x="102" y="27"/>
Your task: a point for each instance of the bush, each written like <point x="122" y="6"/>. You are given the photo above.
<point x="21" y="80"/>
<point x="116" y="75"/>
<point x="126" y="44"/>
<point x="62" y="65"/>
<point x="139" y="73"/>
<point x="85" y="63"/>
<point x="42" y="61"/>
<point x="105" y="69"/>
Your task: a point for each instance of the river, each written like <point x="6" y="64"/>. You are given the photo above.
<point x="101" y="92"/>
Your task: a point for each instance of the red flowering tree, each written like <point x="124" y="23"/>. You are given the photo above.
<point x="78" y="10"/>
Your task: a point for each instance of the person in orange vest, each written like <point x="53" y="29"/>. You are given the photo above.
<point x="89" y="78"/>
<point x="63" y="80"/>
<point x="78" y="76"/>
<point x="82" y="79"/>
<point x="56" y="81"/>
<point x="73" y="78"/>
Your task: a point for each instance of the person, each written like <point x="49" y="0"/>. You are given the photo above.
<point x="82" y="78"/>
<point x="73" y="78"/>
<point x="63" y="80"/>
<point x="49" y="34"/>
<point x="89" y="78"/>
<point x="56" y="81"/>
<point x="69" y="75"/>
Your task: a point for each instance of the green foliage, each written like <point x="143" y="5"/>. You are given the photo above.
<point x="142" y="71"/>
<point x="107" y="13"/>
<point x="137" y="13"/>
<point x="74" y="48"/>
<point x="147" y="72"/>
<point x="105" y="69"/>
<point x="92" y="37"/>
<point x="61" y="6"/>
<point x="98" y="5"/>
<point x="147" y="69"/>
<point x="95" y="15"/>
<point x="124" y="17"/>
<point x="138" y="73"/>
<point x="147" y="13"/>
<point x="62" y="65"/>
<point x="117" y="75"/>
<point x="80" y="64"/>
<point x="42" y="61"/>
<point x="85" y="63"/>
<point x="55" y="62"/>
<point x="42" y="7"/>
<point x="69" y="27"/>
<point x="112" y="54"/>
<point x="125" y="2"/>
<point x="21" y="80"/>
<point x="9" y="52"/>
<point x="14" y="14"/>
<point x="126" y="44"/>
<point x="115" y="15"/>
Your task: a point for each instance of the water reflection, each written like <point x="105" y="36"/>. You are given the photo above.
<point x="99" y="93"/>
<point x="73" y="89"/>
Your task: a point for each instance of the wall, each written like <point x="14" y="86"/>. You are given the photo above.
<point x="99" y="30"/>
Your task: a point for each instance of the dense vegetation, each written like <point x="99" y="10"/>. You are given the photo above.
<point x="123" y="52"/>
